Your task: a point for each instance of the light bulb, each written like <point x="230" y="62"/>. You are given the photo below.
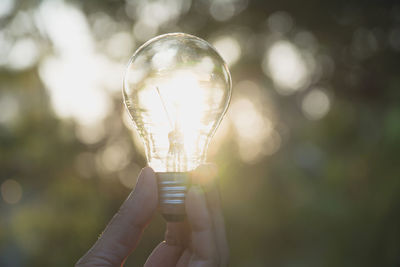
<point x="176" y="89"/>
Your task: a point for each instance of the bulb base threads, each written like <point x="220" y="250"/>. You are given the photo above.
<point x="172" y="189"/>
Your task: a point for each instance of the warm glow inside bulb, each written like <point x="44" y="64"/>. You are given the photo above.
<point x="176" y="89"/>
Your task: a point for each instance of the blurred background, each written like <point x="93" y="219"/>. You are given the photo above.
<point x="308" y="152"/>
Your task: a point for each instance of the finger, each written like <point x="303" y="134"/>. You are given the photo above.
<point x="169" y="252"/>
<point x="203" y="241"/>
<point x="206" y="175"/>
<point x="123" y="232"/>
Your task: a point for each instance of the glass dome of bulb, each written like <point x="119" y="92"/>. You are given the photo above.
<point x="176" y="89"/>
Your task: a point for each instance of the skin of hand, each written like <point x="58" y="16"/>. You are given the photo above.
<point x="199" y="241"/>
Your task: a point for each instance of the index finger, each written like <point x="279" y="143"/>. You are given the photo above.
<point x="124" y="230"/>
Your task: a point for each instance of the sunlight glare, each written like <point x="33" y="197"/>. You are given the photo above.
<point x="115" y="157"/>
<point x="222" y="10"/>
<point x="284" y="64"/>
<point x="120" y="45"/>
<point x="179" y="106"/>
<point x="90" y="133"/>
<point x="229" y="48"/>
<point x="253" y="122"/>
<point x="143" y="31"/>
<point x="78" y="79"/>
<point x="6" y="6"/>
<point x="24" y="54"/>
<point x="153" y="14"/>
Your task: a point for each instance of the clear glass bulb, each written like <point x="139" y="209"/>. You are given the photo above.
<point x="176" y="89"/>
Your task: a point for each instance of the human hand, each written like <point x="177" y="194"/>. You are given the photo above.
<point x="198" y="241"/>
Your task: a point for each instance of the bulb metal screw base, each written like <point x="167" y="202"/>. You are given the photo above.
<point x="172" y="189"/>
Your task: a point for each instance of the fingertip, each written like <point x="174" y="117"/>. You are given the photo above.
<point x="205" y="174"/>
<point x="144" y="197"/>
<point x="147" y="178"/>
<point x="147" y="172"/>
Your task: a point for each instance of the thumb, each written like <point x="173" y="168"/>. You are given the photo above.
<point x="203" y="240"/>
